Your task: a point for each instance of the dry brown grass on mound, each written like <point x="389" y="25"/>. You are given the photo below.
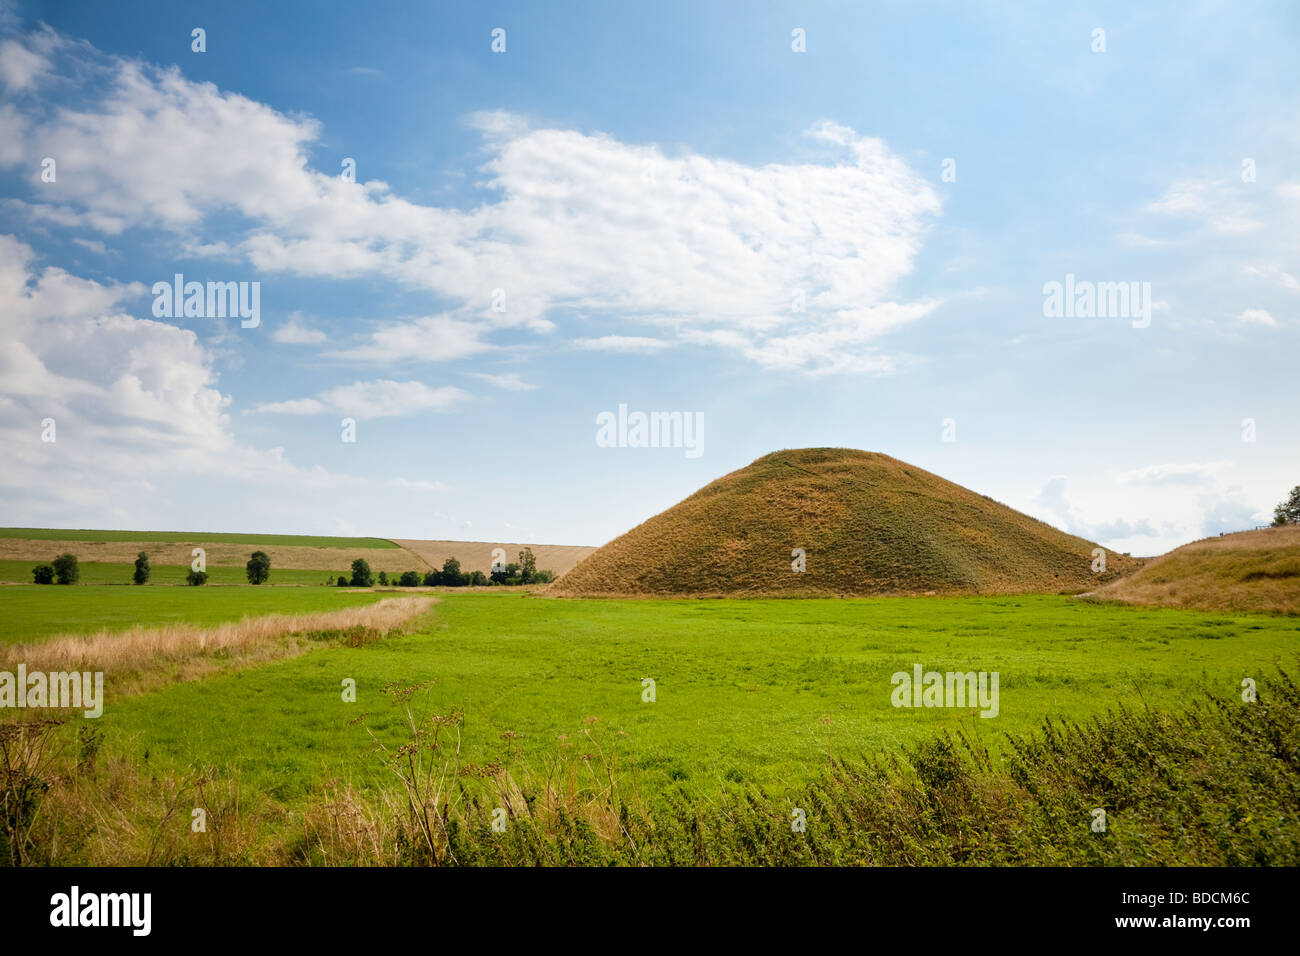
<point x="143" y="658"/>
<point x="866" y="523"/>
<point x="1255" y="571"/>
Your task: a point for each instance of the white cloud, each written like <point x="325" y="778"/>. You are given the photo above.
<point x="294" y="406"/>
<point x="381" y="398"/>
<point x="622" y="343"/>
<point x="510" y="381"/>
<point x="1216" y="203"/>
<point x="1256" y="317"/>
<point x="142" y="433"/>
<point x="1174" y="473"/>
<point x="294" y="332"/>
<point x="580" y="222"/>
<point x="435" y="338"/>
<point x="1275" y="273"/>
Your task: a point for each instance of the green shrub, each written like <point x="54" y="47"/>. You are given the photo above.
<point x="258" y="568"/>
<point x="43" y="574"/>
<point x="66" y="569"/>
<point x="196" y="578"/>
<point x="361" y="576"/>
<point x="141" y="573"/>
<point x="410" y="579"/>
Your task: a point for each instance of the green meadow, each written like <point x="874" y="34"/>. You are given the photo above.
<point x="32" y="612"/>
<point x="747" y="691"/>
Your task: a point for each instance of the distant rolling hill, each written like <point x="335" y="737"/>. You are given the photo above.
<point x="868" y="524"/>
<point x="1246" y="571"/>
<point x="20" y="547"/>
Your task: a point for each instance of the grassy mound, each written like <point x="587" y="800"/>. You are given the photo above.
<point x="868" y="524"/>
<point x="1248" y="571"/>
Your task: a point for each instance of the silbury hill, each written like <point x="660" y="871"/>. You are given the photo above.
<point x="857" y="522"/>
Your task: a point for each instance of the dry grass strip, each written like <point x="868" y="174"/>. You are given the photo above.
<point x="144" y="658"/>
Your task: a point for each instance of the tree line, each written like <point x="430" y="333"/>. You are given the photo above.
<point x="451" y="576"/>
<point x="65" y="570"/>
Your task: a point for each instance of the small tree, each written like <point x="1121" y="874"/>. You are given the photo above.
<point x="196" y="578"/>
<point x="258" y="567"/>
<point x="410" y="579"/>
<point x="451" y="574"/>
<point x="141" y="575"/>
<point x="342" y="582"/>
<point x="361" y="576"/>
<point x="43" y="574"/>
<point x="527" y="565"/>
<point x="66" y="568"/>
<point x="432" y="578"/>
<point x="1288" y="512"/>
<point x="383" y="578"/>
<point x="478" y="579"/>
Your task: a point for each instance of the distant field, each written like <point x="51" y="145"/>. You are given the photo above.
<point x="94" y="572"/>
<point x="303" y="540"/>
<point x="301" y="552"/>
<point x="477" y="555"/>
<point x="38" y="611"/>
<point x="748" y="691"/>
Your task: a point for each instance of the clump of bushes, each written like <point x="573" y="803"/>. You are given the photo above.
<point x="196" y="578"/>
<point x="142" y="570"/>
<point x="64" y="569"/>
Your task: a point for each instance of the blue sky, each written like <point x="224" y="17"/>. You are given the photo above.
<point x="644" y="194"/>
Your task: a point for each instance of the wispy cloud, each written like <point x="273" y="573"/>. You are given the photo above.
<point x="381" y="398"/>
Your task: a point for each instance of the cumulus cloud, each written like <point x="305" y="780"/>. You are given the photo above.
<point x="139" y="423"/>
<point x="575" y="222"/>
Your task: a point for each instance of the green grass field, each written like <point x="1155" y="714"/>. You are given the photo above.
<point x="748" y="691"/>
<point x="98" y="572"/>
<point x="31" y="612"/>
<point x="303" y="540"/>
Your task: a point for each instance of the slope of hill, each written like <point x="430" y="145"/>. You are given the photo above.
<point x="1247" y="571"/>
<point x="868" y="524"/>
